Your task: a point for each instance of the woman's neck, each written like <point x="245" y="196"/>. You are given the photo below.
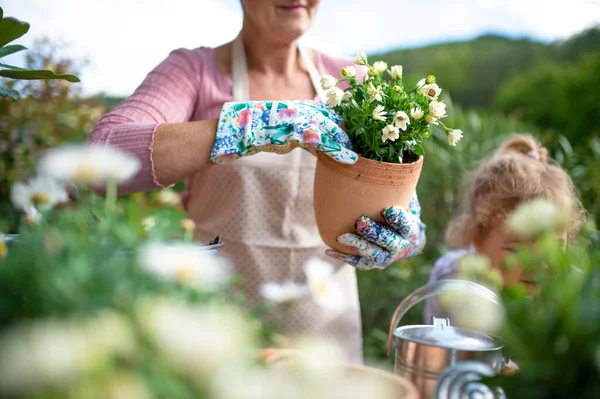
<point x="266" y="55"/>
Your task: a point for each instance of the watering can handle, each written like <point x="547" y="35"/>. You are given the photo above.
<point x="435" y="289"/>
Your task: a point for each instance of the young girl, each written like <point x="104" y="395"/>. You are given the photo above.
<point x="517" y="173"/>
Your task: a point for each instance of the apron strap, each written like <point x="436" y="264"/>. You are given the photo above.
<point x="239" y="72"/>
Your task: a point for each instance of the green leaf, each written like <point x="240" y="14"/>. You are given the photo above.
<point x="12" y="67"/>
<point x="11" y="49"/>
<point x="419" y="150"/>
<point x="11" y="29"/>
<point x="9" y="93"/>
<point x="37" y="74"/>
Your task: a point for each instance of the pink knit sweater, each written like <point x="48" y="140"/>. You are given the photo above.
<point x="186" y="86"/>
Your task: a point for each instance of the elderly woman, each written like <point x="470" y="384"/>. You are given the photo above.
<point x="200" y="107"/>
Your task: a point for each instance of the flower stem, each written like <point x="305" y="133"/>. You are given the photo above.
<point x="111" y="197"/>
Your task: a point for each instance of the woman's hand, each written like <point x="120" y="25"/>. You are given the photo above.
<point x="378" y="245"/>
<point x="280" y="126"/>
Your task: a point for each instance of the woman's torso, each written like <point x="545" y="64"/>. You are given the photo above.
<point x="262" y="206"/>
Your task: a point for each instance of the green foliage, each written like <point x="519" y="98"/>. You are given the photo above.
<point x="561" y="99"/>
<point x="47" y="113"/>
<point x="474" y="71"/>
<point x="12" y="29"/>
<point x="554" y="336"/>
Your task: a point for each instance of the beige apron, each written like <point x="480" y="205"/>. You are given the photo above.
<point x="263" y="207"/>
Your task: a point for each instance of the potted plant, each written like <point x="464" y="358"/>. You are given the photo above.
<point x="387" y="124"/>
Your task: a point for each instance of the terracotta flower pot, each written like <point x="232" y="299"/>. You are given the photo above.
<point x="392" y="385"/>
<point x="343" y="193"/>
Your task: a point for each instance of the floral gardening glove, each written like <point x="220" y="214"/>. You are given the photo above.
<point x="246" y="128"/>
<point x="380" y="245"/>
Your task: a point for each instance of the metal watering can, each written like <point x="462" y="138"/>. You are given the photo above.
<point x="425" y="354"/>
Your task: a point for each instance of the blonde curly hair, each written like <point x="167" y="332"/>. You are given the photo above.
<point x="519" y="171"/>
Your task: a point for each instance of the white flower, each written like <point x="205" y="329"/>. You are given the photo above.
<point x="391" y="133"/>
<point x="539" y="216"/>
<point x="92" y="164"/>
<point x="401" y="120"/>
<point x="374" y="92"/>
<point x="328" y="81"/>
<point x="349" y="71"/>
<point x="322" y="284"/>
<point x="32" y="215"/>
<point x="149" y="222"/>
<point x="472" y="312"/>
<point x="379" y="113"/>
<point x="43" y="192"/>
<point x="421" y="83"/>
<point x="197" y="340"/>
<point x="288" y="292"/>
<point x="454" y="136"/>
<point x="334" y="97"/>
<point x="431" y="90"/>
<point x="185" y="263"/>
<point x="416" y="113"/>
<point x="360" y="59"/>
<point x="168" y="197"/>
<point x="431" y="120"/>
<point x="395" y="71"/>
<point x="437" y="109"/>
<point x="380" y="66"/>
<point x="41" y="354"/>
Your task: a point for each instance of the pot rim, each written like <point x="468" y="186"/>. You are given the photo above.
<point x="368" y="171"/>
<point x="497" y="340"/>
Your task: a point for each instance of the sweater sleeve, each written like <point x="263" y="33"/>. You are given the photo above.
<point x="168" y="94"/>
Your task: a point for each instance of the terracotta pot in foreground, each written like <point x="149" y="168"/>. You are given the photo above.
<point x="343" y="193"/>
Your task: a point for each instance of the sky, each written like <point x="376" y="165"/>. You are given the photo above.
<point x="122" y="40"/>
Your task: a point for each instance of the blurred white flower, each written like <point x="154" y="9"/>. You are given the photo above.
<point x="431" y="90"/>
<point x="437" y="109"/>
<point x="39" y="192"/>
<point x="186" y="263"/>
<point x="149" y="222"/>
<point x="41" y="354"/>
<point x="334" y="96"/>
<point x="198" y="340"/>
<point x="325" y="290"/>
<point x="391" y="133"/>
<point x="360" y="59"/>
<point x="286" y="293"/>
<point x="91" y="164"/>
<point x="416" y="113"/>
<point x="327" y="82"/>
<point x="168" y="197"/>
<point x="380" y="66"/>
<point x="401" y="120"/>
<point x="374" y="92"/>
<point x="110" y="333"/>
<point x="127" y="386"/>
<point x="32" y="215"/>
<point x="472" y="312"/>
<point x="379" y="113"/>
<point x="349" y="71"/>
<point x="534" y="218"/>
<point x="319" y="358"/>
<point x="237" y="382"/>
<point x="454" y="136"/>
<point x="395" y="71"/>
<point x="421" y="83"/>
